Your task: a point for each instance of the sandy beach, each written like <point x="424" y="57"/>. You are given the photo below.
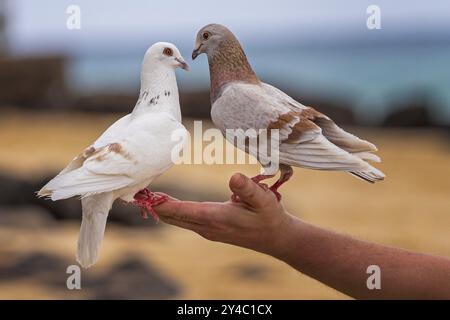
<point x="410" y="209"/>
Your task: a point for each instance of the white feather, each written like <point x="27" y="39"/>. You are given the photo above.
<point x="95" y="213"/>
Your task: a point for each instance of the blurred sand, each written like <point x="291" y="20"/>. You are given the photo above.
<point x="411" y="209"/>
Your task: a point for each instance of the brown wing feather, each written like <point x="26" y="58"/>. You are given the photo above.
<point x="335" y="134"/>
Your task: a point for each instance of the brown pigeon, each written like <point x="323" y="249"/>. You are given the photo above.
<point x="307" y="138"/>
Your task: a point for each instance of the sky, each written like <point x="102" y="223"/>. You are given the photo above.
<point x="41" y="25"/>
<point x="284" y="40"/>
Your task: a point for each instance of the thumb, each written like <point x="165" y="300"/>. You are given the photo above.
<point x="250" y="192"/>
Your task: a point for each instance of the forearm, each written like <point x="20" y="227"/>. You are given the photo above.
<point x="341" y="262"/>
<point x="259" y="222"/>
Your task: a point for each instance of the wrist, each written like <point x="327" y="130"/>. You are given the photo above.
<point x="284" y="239"/>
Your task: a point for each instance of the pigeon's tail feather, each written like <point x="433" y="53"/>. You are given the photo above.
<point x="321" y="154"/>
<point x="95" y="214"/>
<point x="367" y="156"/>
<point x="44" y="193"/>
<point x="342" y="138"/>
<point x="373" y="175"/>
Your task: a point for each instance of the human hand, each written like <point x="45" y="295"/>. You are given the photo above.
<point x="258" y="221"/>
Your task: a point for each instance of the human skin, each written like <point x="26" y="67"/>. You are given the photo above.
<point x="259" y="222"/>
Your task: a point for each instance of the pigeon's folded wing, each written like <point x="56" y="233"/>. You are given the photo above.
<point x="316" y="142"/>
<point x="330" y="130"/>
<point x="307" y="138"/>
<point x="130" y="154"/>
<point x="246" y="106"/>
<point x="308" y="146"/>
<point x="101" y="170"/>
<point x="114" y="132"/>
<point x="109" y="136"/>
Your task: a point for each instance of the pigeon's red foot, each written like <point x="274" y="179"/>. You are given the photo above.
<point x="260" y="177"/>
<point x="274" y="189"/>
<point x="146" y="200"/>
<point x="286" y="174"/>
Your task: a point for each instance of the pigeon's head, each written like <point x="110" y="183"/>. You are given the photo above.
<point x="165" y="53"/>
<point x="209" y="39"/>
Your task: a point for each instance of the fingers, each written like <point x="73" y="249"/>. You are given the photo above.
<point x="186" y="211"/>
<point x="250" y="192"/>
<point x="183" y="224"/>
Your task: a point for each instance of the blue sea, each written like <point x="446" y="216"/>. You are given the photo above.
<point x="372" y="79"/>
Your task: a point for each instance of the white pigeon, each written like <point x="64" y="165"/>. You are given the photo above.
<point x="129" y="155"/>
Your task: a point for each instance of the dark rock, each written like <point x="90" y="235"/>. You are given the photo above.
<point x="105" y="103"/>
<point x="38" y="266"/>
<point x="25" y="217"/>
<point x="31" y="82"/>
<point x="130" y="279"/>
<point x="254" y="272"/>
<point x="412" y="112"/>
<point x="413" y="116"/>
<point x="15" y="191"/>
<point x="133" y="279"/>
<point x="18" y="192"/>
<point x="195" y="105"/>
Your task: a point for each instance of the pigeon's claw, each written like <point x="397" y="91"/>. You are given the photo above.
<point x="260" y="177"/>
<point x="143" y="213"/>
<point x="146" y="200"/>
<point x="275" y="192"/>
<point x="286" y="174"/>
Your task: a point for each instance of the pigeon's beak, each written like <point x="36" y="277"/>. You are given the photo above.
<point x="182" y="64"/>
<point x="196" y="52"/>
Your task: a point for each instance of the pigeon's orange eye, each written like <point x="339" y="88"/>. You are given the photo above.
<point x="206" y="35"/>
<point x="168" y="52"/>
